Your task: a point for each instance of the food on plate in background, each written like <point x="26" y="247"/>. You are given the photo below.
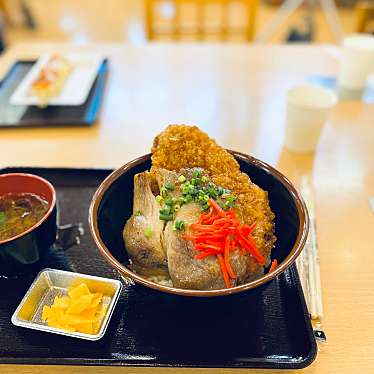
<point x="198" y="222"/>
<point x="19" y="212"/>
<point x="80" y="310"/>
<point x="51" y="78"/>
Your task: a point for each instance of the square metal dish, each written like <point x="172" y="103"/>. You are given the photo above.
<point x="51" y="283"/>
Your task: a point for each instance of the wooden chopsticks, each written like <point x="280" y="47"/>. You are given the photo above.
<point x="308" y="263"/>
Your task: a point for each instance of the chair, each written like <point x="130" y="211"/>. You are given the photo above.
<point x="4" y="12"/>
<point x="289" y="6"/>
<point x="364" y="16"/>
<point x="177" y="31"/>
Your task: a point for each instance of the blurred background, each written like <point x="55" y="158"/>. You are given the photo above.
<point x="142" y="21"/>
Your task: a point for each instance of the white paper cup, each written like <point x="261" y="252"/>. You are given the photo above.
<point x="357" y="61"/>
<point x="308" y="107"/>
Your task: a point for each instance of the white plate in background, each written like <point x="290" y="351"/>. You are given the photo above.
<point x="76" y="87"/>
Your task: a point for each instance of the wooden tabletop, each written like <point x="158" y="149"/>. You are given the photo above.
<point x="237" y="94"/>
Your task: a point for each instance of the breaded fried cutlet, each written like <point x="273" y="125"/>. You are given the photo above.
<point x="182" y="146"/>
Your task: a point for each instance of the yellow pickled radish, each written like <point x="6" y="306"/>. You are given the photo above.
<point x="85" y="328"/>
<point x="62" y="302"/>
<point x="46" y="312"/>
<point x="81" y="289"/>
<point x="96" y="299"/>
<point x="81" y="311"/>
<point x="89" y="314"/>
<point x="78" y="305"/>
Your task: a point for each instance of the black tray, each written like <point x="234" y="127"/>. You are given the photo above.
<point x="268" y="327"/>
<point x="31" y="116"/>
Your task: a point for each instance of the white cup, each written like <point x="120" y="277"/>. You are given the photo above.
<point x="357" y="61"/>
<point x="308" y="107"/>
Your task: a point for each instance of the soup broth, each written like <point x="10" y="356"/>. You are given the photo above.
<point x="19" y="212"/>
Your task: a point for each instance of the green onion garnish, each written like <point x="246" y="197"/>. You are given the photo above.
<point x="169" y="201"/>
<point x="167" y="209"/>
<point x="148" y="232"/>
<point x="198" y="189"/>
<point x="197" y="173"/>
<point x="169" y="186"/>
<point x="181" y="178"/>
<point x="178" y="225"/>
<point x="213" y="193"/>
<point x="163" y="191"/>
<point x="166" y="217"/>
<point x="205" y="207"/>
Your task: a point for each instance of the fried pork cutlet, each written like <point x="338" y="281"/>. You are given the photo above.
<point x="181" y="146"/>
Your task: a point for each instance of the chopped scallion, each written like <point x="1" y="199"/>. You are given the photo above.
<point x="148" y="232"/>
<point x="213" y="193"/>
<point x="167" y="209"/>
<point x="163" y="191"/>
<point x="169" y="201"/>
<point x="197" y="173"/>
<point x="231" y="198"/>
<point x="181" y="178"/>
<point x="169" y="186"/>
<point x="166" y="217"/>
<point x="178" y="225"/>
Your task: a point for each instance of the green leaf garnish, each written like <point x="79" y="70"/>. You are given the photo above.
<point x="178" y="225"/>
<point x="169" y="186"/>
<point x="148" y="232"/>
<point x="166" y="217"/>
<point x="181" y="178"/>
<point x="197" y="173"/>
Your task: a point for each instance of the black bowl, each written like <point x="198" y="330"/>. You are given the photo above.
<point x="112" y="204"/>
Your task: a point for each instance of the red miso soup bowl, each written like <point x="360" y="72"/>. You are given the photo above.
<point x="17" y="253"/>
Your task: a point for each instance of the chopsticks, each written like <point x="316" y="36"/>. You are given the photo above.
<point x="308" y="263"/>
<point x="371" y="203"/>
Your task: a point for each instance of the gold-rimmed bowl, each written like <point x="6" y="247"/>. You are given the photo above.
<point x="112" y="203"/>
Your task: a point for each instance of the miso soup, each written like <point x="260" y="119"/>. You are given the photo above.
<point x="19" y="212"/>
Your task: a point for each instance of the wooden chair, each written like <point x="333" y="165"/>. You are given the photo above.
<point x="176" y="31"/>
<point x="364" y="16"/>
<point x="4" y="12"/>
